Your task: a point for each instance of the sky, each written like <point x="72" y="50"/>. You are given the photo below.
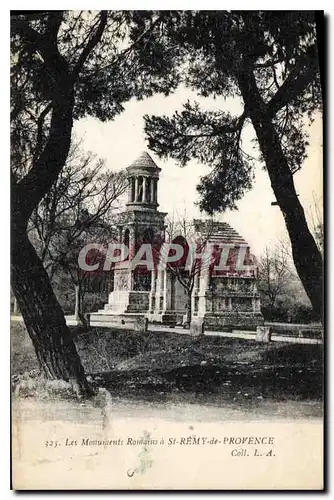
<point x="122" y="140"/>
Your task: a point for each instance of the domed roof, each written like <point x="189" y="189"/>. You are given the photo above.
<point x="143" y="161"/>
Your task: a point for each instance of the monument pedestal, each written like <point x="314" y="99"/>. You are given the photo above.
<point x="126" y="301"/>
<point x="164" y="317"/>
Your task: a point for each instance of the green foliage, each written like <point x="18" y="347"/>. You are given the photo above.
<point x="279" y="50"/>
<point x="108" y="58"/>
<point x="212" y="138"/>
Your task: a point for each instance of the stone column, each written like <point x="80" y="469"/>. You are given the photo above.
<point x="136" y="189"/>
<point x="144" y="189"/>
<point x="195" y="295"/>
<point x="154" y="281"/>
<point x="129" y="189"/>
<point x="230" y="303"/>
<point x="155" y="190"/>
<point x="152" y="297"/>
<point x="148" y="190"/>
<point x="165" y="290"/>
<point x="197" y="282"/>
<point x="256" y="305"/>
<point x="133" y="189"/>
<point x="204" y="280"/>
<point x="152" y="190"/>
<point x="132" y="242"/>
<point x="203" y="287"/>
<point x="159" y="291"/>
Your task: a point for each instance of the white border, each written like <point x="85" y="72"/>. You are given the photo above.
<point x="5" y="197"/>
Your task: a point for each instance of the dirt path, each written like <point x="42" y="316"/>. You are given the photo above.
<point x="59" y="445"/>
<point x="31" y="409"/>
<point x="235" y="334"/>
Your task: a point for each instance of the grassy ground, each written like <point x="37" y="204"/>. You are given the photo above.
<point x="167" y="367"/>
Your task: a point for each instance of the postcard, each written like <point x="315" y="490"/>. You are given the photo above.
<point x="167" y="250"/>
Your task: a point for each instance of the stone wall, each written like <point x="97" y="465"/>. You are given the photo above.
<point x="230" y="320"/>
<point x="137" y="322"/>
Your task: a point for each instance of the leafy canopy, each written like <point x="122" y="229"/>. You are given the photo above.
<point x="280" y="50"/>
<point x="106" y="56"/>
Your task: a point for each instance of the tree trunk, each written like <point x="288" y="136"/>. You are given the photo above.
<point x="189" y="311"/>
<point x="79" y="310"/>
<point x="16" y="307"/>
<point x="271" y="309"/>
<point x="306" y="255"/>
<point x="43" y="316"/>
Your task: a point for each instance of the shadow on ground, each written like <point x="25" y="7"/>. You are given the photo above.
<point x="175" y="367"/>
<point x="167" y="367"/>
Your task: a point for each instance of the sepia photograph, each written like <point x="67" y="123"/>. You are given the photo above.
<point x="167" y="246"/>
